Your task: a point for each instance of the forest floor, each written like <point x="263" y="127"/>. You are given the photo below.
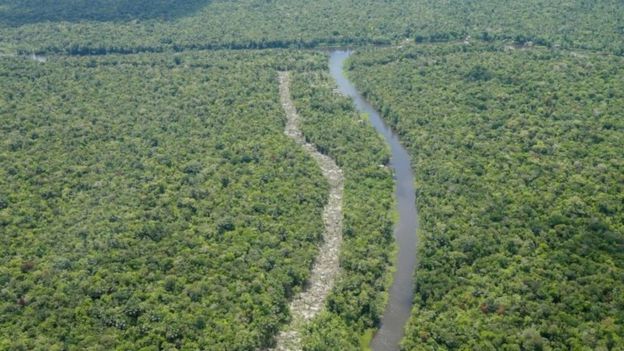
<point x="326" y="266"/>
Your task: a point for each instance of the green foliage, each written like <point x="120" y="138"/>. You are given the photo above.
<point x="578" y="23"/>
<point x="107" y="27"/>
<point x="151" y="202"/>
<point x="330" y="122"/>
<point x="329" y="332"/>
<point x="21" y="12"/>
<point x="123" y="26"/>
<point x="517" y="158"/>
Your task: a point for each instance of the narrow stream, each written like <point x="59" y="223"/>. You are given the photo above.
<point x="399" y="304"/>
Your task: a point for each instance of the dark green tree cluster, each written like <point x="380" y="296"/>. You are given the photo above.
<point x="96" y="27"/>
<point x="330" y="121"/>
<point x="120" y="26"/>
<point x="560" y="23"/>
<point x="151" y="202"/>
<point x="23" y="12"/>
<point x="518" y="162"/>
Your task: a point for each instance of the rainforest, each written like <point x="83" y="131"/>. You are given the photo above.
<point x="295" y="175"/>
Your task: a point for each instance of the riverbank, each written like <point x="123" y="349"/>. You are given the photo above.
<point x="398" y="307"/>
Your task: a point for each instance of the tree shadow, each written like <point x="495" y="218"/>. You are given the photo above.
<point x="22" y="12"/>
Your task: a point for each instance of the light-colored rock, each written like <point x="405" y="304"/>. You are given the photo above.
<point x="326" y="267"/>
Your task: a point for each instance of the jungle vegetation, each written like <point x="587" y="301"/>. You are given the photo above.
<point x="151" y="202"/>
<point x="518" y="162"/>
<point x="82" y="27"/>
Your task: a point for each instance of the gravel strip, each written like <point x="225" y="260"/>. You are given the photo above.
<point x="308" y="303"/>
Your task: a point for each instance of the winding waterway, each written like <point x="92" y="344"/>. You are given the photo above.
<point x="399" y="305"/>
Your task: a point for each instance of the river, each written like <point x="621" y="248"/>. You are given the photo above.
<point x="398" y="308"/>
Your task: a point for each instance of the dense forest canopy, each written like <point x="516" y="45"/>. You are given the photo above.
<point x="149" y="198"/>
<point x="518" y="163"/>
<point x="150" y="201"/>
<point x="102" y="26"/>
<point x="20" y="12"/>
<point x="153" y="201"/>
